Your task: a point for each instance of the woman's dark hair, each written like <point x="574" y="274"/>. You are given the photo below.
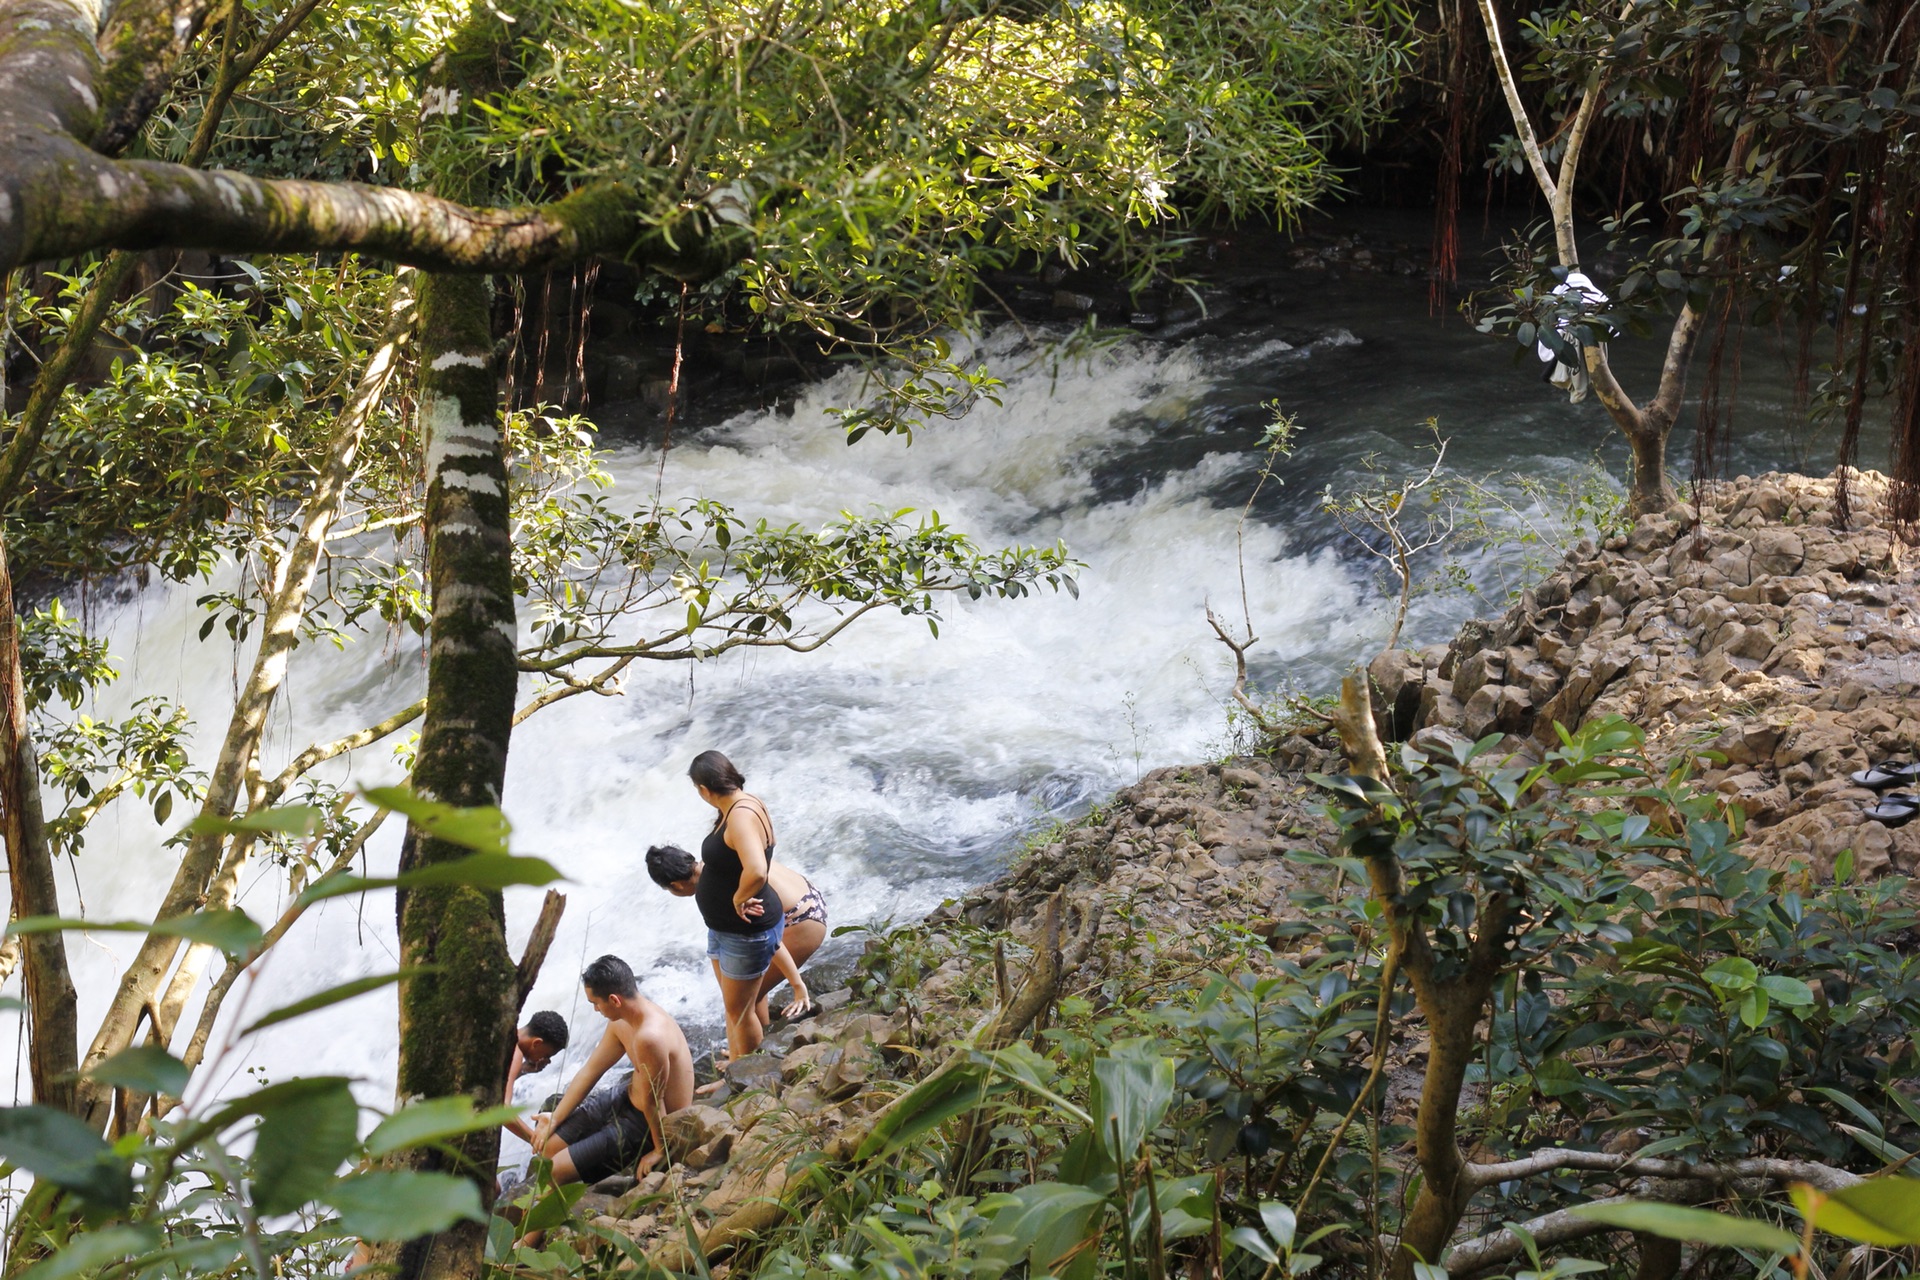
<point x="716" y="773"/>
<point x="669" y="864"/>
<point x="610" y="976"/>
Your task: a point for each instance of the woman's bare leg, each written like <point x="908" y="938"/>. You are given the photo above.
<point x="744" y="1030"/>
<point x="801" y="941"/>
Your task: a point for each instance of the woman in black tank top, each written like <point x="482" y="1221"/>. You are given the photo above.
<point x="744" y="916"/>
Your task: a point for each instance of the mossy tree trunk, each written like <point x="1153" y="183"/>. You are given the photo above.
<point x="456" y="1024"/>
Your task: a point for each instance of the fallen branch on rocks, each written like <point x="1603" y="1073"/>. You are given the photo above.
<point x="781" y="1196"/>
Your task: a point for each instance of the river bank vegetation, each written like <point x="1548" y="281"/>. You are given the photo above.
<point x="281" y="319"/>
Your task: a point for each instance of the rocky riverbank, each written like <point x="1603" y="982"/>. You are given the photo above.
<point x="1777" y="647"/>
<point x="1752" y="633"/>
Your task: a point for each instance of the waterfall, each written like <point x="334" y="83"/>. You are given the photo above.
<point x="899" y="768"/>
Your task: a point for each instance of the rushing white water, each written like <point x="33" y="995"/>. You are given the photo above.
<point x="898" y="767"/>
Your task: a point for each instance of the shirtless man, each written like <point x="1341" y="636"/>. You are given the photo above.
<point x="534" y="1046"/>
<point x="604" y="1136"/>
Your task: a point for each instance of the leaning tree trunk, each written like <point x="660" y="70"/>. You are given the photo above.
<point x="53" y="1044"/>
<point x="456" y="1023"/>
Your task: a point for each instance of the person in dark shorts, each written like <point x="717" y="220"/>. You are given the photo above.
<point x="605" y="1135"/>
<point x="592" y="1135"/>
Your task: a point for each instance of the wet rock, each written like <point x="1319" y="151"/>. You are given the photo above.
<point x="695" y="1126"/>
<point x="755" y="1071"/>
<point x="808" y="1060"/>
<point x="710" y="1154"/>
<point x="859" y="1062"/>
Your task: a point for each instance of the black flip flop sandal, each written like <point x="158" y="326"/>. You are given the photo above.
<point x="1895" y="809"/>
<point x="1890" y="773"/>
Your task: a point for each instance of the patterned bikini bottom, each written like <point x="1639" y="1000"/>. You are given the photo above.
<point x="812" y="906"/>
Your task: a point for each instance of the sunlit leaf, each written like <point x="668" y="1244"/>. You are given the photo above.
<point x="334" y="995"/>
<point x="289" y="820"/>
<point x="232" y="932"/>
<point x="1701" y="1226"/>
<point x="484" y="829"/>
<point x="1883" y="1211"/>
<point x="404" y="1205"/>
<point x="434" y="1120"/>
<point x="1131" y="1094"/>
<point x="144" y="1068"/>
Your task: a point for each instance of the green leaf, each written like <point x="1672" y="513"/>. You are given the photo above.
<point x="289" y="820"/>
<point x="490" y="871"/>
<point x="404" y="1206"/>
<point x="1883" y="1211"/>
<point x="1753" y="1007"/>
<point x="233" y="932"/>
<point x="144" y="1068"/>
<point x="553" y="1208"/>
<point x="1131" y="1094"/>
<point x="434" y="1120"/>
<point x="301" y="1144"/>
<point x="1677" y="1222"/>
<point x="55" y="1146"/>
<point x="334" y="995"/>
<point x="1254" y="1243"/>
<point x="1732" y="973"/>
<point x="928" y="1105"/>
<point x="94" y="1249"/>
<point x="1849" y="1103"/>
<point x="1556" y="1077"/>
<point x="1280" y="1223"/>
<point x="1790" y="992"/>
<point x="1039" y="1222"/>
<point x="194" y="1257"/>
<point x="483" y="828"/>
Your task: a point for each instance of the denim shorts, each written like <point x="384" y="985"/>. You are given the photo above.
<point x="745" y="955"/>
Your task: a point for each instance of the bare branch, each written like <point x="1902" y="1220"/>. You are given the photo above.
<point x="1665" y="406"/>
<point x="1522" y="126"/>
<point x="1358" y="736"/>
<point x="318" y="753"/>
<point x="1570" y="160"/>
<point x="535" y="955"/>
<point x="1823" y="1176"/>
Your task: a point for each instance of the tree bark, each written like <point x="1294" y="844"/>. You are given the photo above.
<point x="456" y="1023"/>
<point x="1650" y="490"/>
<point x="52" y="1009"/>
<point x="1452" y="1009"/>
<point x="60" y="196"/>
